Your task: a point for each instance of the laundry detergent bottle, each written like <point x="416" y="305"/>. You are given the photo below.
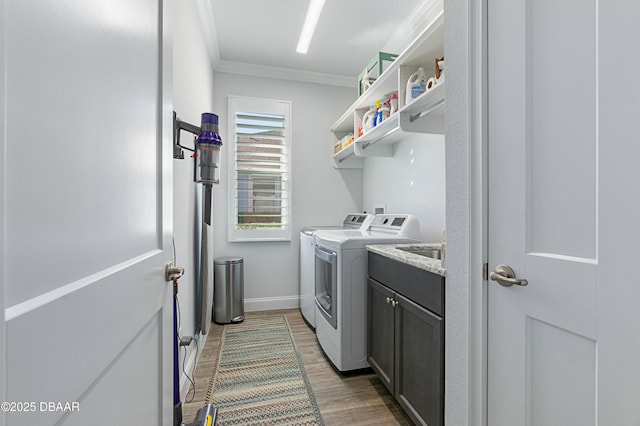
<point x="368" y="120"/>
<point x="393" y="103"/>
<point x="416" y="85"/>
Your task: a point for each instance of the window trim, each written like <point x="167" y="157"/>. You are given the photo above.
<point x="264" y="106"/>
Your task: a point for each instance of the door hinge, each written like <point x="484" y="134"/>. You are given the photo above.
<point x="485" y="272"/>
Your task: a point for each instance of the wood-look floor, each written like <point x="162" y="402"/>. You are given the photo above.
<point x="352" y="400"/>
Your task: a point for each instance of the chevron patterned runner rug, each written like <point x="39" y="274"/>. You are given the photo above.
<point x="259" y="378"/>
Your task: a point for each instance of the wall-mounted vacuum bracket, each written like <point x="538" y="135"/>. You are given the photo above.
<point x="182" y="125"/>
<point x="207" y="142"/>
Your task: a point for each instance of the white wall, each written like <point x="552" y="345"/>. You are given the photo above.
<point x="321" y="194"/>
<point x="464" y="392"/>
<point x="412" y="181"/>
<point x="192" y="95"/>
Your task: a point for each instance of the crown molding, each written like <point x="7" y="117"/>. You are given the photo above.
<point x="207" y="23"/>
<point x="285" y="74"/>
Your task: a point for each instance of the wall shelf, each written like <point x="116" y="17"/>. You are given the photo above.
<point x="347" y="159"/>
<point x="424" y="115"/>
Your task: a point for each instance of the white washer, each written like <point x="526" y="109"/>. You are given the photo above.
<point x="341" y="282"/>
<point x="353" y="221"/>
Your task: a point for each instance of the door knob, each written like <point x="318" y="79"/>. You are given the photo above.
<point x="171" y="272"/>
<point x="505" y="276"/>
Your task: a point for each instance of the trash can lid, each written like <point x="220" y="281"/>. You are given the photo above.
<point x="227" y="260"/>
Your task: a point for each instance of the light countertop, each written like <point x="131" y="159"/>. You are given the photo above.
<point x="422" y="262"/>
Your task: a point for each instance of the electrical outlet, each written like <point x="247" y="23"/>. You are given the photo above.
<point x="185" y="340"/>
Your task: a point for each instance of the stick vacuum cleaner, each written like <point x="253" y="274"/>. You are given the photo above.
<point x="206" y="416"/>
<point x="206" y="157"/>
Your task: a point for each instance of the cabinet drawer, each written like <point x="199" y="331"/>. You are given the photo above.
<point x="423" y="287"/>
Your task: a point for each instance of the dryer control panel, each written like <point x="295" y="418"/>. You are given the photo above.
<point x="400" y="224"/>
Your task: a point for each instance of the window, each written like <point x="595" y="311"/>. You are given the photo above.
<point x="260" y="149"/>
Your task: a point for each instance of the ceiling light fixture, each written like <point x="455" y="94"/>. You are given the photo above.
<point x="313" y="13"/>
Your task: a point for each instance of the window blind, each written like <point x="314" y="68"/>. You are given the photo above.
<point x="260" y="171"/>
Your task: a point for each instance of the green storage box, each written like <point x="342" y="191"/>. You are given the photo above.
<point x="375" y="68"/>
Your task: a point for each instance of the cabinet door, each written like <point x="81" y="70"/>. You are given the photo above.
<point x="419" y="369"/>
<point x="380" y="330"/>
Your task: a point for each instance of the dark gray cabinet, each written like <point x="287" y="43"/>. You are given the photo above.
<point x="381" y="332"/>
<point x="405" y="345"/>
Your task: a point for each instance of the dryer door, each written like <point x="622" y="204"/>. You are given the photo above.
<point x="327" y="284"/>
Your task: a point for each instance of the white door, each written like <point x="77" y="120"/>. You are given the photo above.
<point x="564" y="203"/>
<point x="86" y="213"/>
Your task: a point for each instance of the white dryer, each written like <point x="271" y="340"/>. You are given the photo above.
<point x="353" y="221"/>
<point x="340" y="285"/>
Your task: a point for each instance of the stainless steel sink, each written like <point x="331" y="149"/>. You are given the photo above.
<point x="433" y="253"/>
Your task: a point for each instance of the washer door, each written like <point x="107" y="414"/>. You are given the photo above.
<point x="327" y="284"/>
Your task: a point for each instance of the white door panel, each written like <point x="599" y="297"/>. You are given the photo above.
<point x="144" y="380"/>
<point x="82" y="140"/>
<point x="558" y="364"/>
<point x="542" y="212"/>
<point x="87" y="213"/>
<point x="3" y="162"/>
<point x="560" y="126"/>
<point x="79" y="342"/>
<point x="568" y="294"/>
<point x="619" y="233"/>
<point x="563" y="156"/>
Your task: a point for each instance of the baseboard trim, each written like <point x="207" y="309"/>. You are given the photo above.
<point x="271" y="303"/>
<point x="190" y="364"/>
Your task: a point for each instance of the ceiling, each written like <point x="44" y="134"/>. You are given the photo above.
<point x="265" y="33"/>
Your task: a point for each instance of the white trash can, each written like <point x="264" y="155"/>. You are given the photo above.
<point x="228" y="290"/>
